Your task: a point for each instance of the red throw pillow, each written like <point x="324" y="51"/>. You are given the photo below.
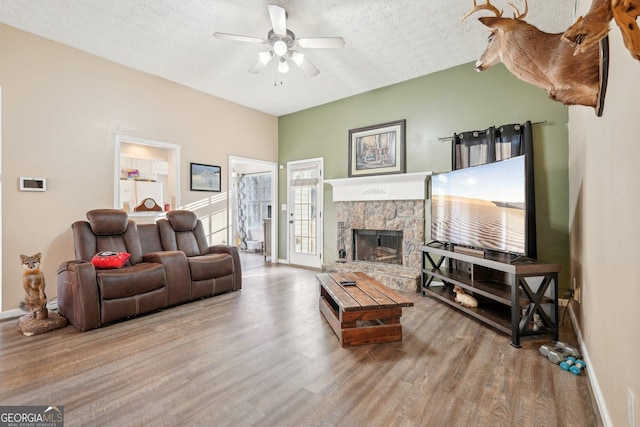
<point x="106" y="260"/>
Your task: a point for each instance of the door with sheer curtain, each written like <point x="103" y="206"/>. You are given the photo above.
<point x="304" y="211"/>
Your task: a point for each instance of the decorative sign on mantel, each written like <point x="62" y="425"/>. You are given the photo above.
<point x="406" y="186"/>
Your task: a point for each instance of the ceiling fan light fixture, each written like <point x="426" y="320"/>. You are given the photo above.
<point x="283" y="42"/>
<point x="297" y="57"/>
<point x="283" y="67"/>
<point x="265" y="57"/>
<point x="280" y="48"/>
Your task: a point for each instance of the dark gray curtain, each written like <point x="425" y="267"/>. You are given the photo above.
<point x="473" y="148"/>
<point x="478" y="147"/>
<point x="514" y="140"/>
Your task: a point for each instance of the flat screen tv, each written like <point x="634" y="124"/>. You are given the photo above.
<point x="482" y="207"/>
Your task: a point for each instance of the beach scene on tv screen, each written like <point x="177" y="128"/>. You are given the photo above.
<point x="481" y="206"/>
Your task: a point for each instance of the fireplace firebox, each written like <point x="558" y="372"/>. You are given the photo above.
<point x="384" y="246"/>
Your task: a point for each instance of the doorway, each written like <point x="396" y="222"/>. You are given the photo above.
<point x="305" y="201"/>
<point x="253" y="217"/>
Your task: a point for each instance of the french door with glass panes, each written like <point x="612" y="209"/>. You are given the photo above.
<point x="304" y="212"/>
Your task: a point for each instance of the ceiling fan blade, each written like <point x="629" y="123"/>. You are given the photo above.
<point x="302" y="62"/>
<point x="238" y="38"/>
<point x="309" y="68"/>
<point x="278" y="19"/>
<point x="263" y="59"/>
<point x="320" y="42"/>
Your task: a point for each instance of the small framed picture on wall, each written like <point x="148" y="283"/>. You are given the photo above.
<point x="205" y="177"/>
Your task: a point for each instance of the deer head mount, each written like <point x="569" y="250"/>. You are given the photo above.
<point x="540" y="58"/>
<point x="591" y="28"/>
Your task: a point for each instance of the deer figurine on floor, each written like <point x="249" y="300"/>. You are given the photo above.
<point x="540" y="58"/>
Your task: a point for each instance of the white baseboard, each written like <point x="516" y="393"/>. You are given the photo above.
<point x="595" y="385"/>
<point x="10" y="314"/>
<point x="16" y="312"/>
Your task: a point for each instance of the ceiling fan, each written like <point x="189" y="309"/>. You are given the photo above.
<point x="282" y="42"/>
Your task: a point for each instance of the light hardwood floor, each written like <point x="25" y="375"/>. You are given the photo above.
<point x="265" y="356"/>
<point x="251" y="260"/>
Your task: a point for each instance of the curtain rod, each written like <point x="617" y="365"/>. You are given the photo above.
<point x="544" y="122"/>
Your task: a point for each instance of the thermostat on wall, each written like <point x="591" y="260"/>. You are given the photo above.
<point x="33" y="184"/>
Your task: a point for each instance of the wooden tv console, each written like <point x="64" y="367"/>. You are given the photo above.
<point x="518" y="296"/>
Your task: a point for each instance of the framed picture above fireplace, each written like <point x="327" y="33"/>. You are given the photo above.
<point x="378" y="149"/>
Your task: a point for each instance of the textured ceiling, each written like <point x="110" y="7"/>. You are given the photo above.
<point x="387" y="41"/>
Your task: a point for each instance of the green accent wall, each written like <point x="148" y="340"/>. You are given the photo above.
<point x="435" y="106"/>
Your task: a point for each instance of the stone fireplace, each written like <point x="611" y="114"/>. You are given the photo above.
<point x="387" y="207"/>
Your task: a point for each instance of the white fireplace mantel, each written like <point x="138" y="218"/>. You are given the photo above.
<point x="404" y="186"/>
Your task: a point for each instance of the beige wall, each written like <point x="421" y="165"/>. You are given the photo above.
<point x="604" y="176"/>
<point x="60" y="111"/>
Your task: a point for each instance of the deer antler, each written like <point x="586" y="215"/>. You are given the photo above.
<point x="486" y="6"/>
<point x="519" y="15"/>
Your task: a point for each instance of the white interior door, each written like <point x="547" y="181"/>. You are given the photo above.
<point x="304" y="212"/>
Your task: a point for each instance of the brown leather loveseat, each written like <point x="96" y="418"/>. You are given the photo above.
<point x="170" y="263"/>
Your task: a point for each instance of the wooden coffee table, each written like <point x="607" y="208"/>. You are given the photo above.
<point x="365" y="313"/>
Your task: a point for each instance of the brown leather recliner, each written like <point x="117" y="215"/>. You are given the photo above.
<point x="212" y="270"/>
<point x="167" y="267"/>
<point x="109" y="295"/>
